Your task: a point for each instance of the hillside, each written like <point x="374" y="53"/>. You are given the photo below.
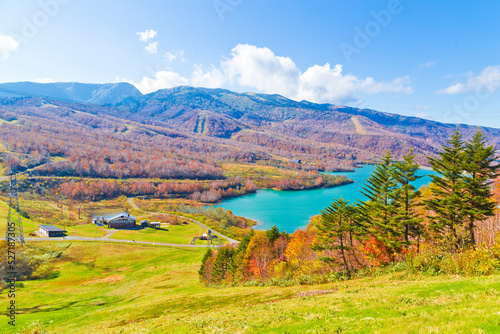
<point x="103" y="288"/>
<point x="220" y="125"/>
<point x="357" y="134"/>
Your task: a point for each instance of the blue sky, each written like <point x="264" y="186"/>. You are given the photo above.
<point x="433" y="59"/>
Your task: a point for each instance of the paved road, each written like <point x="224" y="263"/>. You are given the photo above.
<point x="231" y="241"/>
<point x="109" y="233"/>
<point x="105" y="239"/>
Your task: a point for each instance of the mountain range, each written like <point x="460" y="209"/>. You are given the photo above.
<point x="264" y="121"/>
<point x="72" y="91"/>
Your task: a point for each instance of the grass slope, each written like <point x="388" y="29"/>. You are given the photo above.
<point x="115" y="288"/>
<point x="28" y="225"/>
<point x="175" y="234"/>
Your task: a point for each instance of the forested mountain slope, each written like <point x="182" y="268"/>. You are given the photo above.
<point x="212" y="125"/>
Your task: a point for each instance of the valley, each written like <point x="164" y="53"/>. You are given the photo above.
<point x="242" y="166"/>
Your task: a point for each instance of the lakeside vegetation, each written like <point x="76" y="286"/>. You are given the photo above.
<point x="436" y="230"/>
<point x="404" y="272"/>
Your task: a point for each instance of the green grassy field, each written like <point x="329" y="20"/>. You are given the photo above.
<point x="28" y="225"/>
<point x="87" y="230"/>
<point x="119" y="288"/>
<point x="176" y="234"/>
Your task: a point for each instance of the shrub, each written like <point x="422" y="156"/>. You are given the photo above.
<point x="466" y="262"/>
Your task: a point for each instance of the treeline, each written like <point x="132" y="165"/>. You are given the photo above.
<point x="219" y="219"/>
<point x="432" y="231"/>
<point x="104" y="155"/>
<point x="71" y="139"/>
<point x="201" y="191"/>
<point x="308" y="180"/>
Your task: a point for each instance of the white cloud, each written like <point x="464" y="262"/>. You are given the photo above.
<point x="260" y="69"/>
<point x="214" y="78"/>
<point x="152" y="48"/>
<point x="488" y="79"/>
<point x="428" y="64"/>
<point x="398" y="85"/>
<point x="421" y="107"/>
<point x="170" y="57"/>
<point x="45" y="80"/>
<point x="324" y="84"/>
<point x="423" y="115"/>
<point x="162" y="80"/>
<point x="147" y="35"/>
<point x="7" y="45"/>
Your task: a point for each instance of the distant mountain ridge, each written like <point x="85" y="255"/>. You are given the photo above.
<point x="271" y="122"/>
<point x="72" y="91"/>
<point x="182" y="104"/>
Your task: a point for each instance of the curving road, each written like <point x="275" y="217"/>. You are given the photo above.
<point x="231" y="241"/>
<point x="109" y="233"/>
<point x="105" y="239"/>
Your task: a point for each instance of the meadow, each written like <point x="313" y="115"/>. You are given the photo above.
<point x="122" y="288"/>
<point x="175" y="234"/>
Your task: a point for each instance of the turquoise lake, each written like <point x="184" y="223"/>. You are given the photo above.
<point x="290" y="210"/>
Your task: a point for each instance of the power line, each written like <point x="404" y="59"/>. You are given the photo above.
<point x="14" y="229"/>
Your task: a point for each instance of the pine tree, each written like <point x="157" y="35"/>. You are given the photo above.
<point x="406" y="195"/>
<point x="448" y="192"/>
<point x="236" y="269"/>
<point x="380" y="209"/>
<point x="222" y="263"/>
<point x="334" y="231"/>
<point x="481" y="170"/>
<point x="205" y="264"/>
<point x="273" y="234"/>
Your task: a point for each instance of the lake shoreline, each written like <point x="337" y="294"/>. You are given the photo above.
<point x="292" y="209"/>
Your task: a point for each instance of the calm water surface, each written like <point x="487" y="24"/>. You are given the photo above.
<point x="290" y="210"/>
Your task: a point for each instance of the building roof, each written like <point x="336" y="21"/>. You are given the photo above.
<point x="51" y="228"/>
<point x="123" y="214"/>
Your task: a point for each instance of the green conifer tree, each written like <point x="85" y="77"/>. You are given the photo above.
<point x="447" y="201"/>
<point x="222" y="263"/>
<point x="273" y="234"/>
<point x="481" y="169"/>
<point x="406" y="195"/>
<point x="202" y="272"/>
<point x="333" y="231"/>
<point x="237" y="266"/>
<point x="380" y="209"/>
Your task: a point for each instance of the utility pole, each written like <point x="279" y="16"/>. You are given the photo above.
<point x="14" y="231"/>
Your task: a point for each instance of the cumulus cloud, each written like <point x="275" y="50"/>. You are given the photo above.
<point x="488" y="79"/>
<point x="147" y="35"/>
<point x="260" y="69"/>
<point x="213" y="78"/>
<point x="162" y="80"/>
<point x="152" y="48"/>
<point x="7" y="45"/>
